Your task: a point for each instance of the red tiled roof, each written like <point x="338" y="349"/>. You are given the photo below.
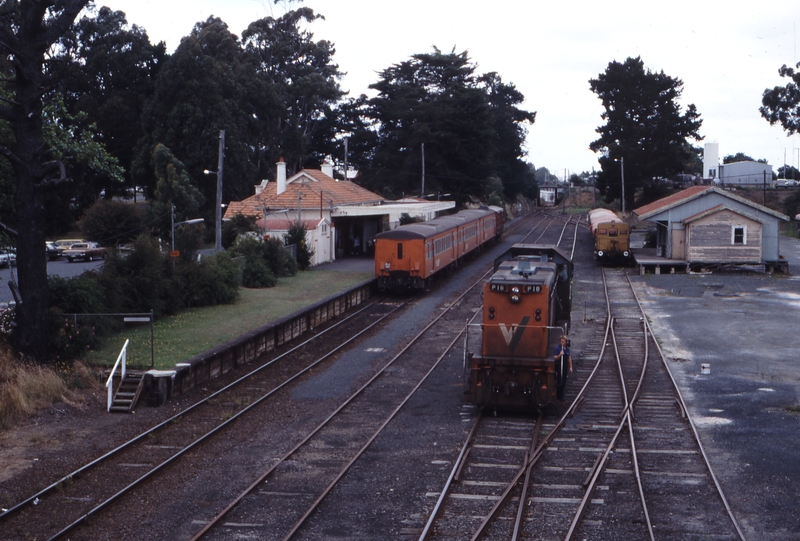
<point x="671" y="200"/>
<point x="311" y="184"/>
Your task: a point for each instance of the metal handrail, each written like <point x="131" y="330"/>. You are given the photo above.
<point x="122" y="357"/>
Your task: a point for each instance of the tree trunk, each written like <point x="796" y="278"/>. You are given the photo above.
<point x="25" y="35"/>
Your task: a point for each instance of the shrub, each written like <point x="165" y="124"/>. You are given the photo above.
<point x="188" y="240"/>
<point x="7" y="314"/>
<point x="278" y="258"/>
<point x="264" y="261"/>
<point x="297" y="236"/>
<point x="256" y="274"/>
<point x="110" y="221"/>
<point x="213" y="281"/>
<point x="238" y="225"/>
<point x="73" y="338"/>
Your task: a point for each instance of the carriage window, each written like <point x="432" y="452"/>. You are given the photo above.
<point x="738" y="235"/>
<point x="602" y="231"/>
<point x="399" y="250"/>
<point x="612" y="232"/>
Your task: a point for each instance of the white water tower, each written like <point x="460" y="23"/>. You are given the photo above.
<point x="711" y="160"/>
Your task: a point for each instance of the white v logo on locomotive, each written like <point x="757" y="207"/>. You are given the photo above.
<point x="513" y="334"/>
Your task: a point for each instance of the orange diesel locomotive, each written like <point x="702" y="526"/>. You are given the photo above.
<point x="612" y="239"/>
<point x="409" y="256"/>
<point x="526" y="308"/>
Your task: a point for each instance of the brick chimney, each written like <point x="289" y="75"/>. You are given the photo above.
<point x="327" y="168"/>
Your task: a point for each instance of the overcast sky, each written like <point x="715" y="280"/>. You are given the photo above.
<point x="726" y="54"/>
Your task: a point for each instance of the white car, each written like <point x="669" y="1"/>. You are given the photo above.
<point x="786" y="183"/>
<point x="7" y="258"/>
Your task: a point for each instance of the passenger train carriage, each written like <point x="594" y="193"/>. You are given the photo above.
<point x="612" y="239"/>
<point x="409" y="256"/>
<point x="526" y="308"/>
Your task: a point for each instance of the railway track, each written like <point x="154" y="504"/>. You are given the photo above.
<point x="623" y="461"/>
<point x="108" y="488"/>
<point x="284" y="510"/>
<point x="95" y="487"/>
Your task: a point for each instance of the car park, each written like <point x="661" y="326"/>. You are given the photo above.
<point x="84" y="250"/>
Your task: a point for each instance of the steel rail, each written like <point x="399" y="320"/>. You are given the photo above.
<point x="682" y="405"/>
<point x="216" y="520"/>
<point x="526" y="484"/>
<point x="545" y="443"/>
<point x="600" y="464"/>
<point x="537" y="450"/>
<point x="462" y="456"/>
<point x="212" y="432"/>
<point x="363" y="449"/>
<point x="83" y="469"/>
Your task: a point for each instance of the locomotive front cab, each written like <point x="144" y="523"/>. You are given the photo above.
<point x="525" y="301"/>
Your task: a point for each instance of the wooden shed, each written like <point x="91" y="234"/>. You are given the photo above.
<point x="722" y="234"/>
<point x="710" y="226"/>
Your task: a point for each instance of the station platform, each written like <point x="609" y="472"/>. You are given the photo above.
<point x="646" y="261"/>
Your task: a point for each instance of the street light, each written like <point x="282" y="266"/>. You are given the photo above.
<point x="176" y="224"/>
<point x="218" y="172"/>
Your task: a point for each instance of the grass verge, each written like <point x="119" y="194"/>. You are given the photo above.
<point x="180" y="337"/>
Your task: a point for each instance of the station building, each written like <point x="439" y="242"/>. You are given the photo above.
<point x="706" y="226"/>
<point x="341" y="218"/>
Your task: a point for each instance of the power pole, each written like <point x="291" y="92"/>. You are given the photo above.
<point x="220" y="161"/>
<point x="422" y="191"/>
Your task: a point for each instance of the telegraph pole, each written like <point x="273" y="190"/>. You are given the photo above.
<point x="220" y="161"/>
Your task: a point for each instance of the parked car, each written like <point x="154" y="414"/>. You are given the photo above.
<point x="84" y="250"/>
<point x="8" y="257"/>
<point x="786" y="183"/>
<point x="53" y="251"/>
<point x="63" y="244"/>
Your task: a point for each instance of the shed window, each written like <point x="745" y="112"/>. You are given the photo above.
<point x="739" y="235"/>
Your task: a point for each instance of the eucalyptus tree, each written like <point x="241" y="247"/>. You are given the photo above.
<point x="207" y="85"/>
<point x="298" y="81"/>
<point x="106" y="70"/>
<point x="781" y="104"/>
<point x="646" y="131"/>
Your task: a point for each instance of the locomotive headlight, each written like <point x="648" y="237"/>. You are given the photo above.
<point x="491" y="312"/>
<point x="387" y="265"/>
<point x="515" y="290"/>
<point x="515" y="299"/>
<point x="600" y="253"/>
<point x="625" y="253"/>
<point x="538" y="314"/>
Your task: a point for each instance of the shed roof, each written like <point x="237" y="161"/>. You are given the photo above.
<point x="656" y="207"/>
